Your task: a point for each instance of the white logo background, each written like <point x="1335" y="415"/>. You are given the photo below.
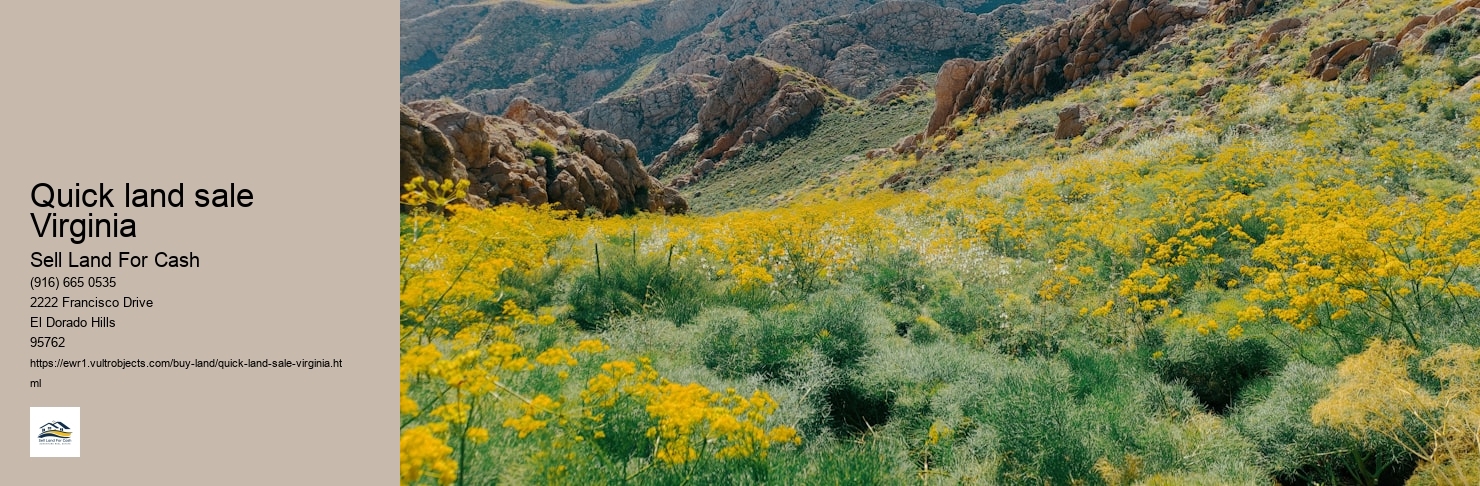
<point x="72" y="416"/>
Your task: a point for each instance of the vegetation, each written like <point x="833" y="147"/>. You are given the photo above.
<point x="1279" y="285"/>
<point x="813" y="155"/>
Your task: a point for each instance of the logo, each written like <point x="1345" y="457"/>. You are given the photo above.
<point x="55" y="432"/>
<point x="55" y="429"/>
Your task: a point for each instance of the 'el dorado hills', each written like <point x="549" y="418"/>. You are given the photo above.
<point x="123" y="259"/>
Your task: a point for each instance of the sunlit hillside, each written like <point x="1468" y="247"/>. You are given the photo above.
<point x="1237" y="274"/>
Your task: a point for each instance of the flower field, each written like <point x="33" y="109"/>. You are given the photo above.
<point x="1284" y="288"/>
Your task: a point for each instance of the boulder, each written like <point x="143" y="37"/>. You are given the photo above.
<point x="1327" y="61"/>
<point x="949" y="84"/>
<point x="1379" y="56"/>
<point x="1071" y="122"/>
<point x="1412" y="33"/>
<point x="589" y="170"/>
<point x="1349" y="52"/>
<point x="1139" y="21"/>
<point x="1276" y="30"/>
<point x="1416" y="22"/>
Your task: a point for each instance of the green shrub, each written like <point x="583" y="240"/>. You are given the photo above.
<point x="1026" y="339"/>
<point x="1022" y="414"/>
<point x="535" y="288"/>
<point x="1295" y="450"/>
<point x="966" y="310"/>
<point x="624" y="284"/>
<point x="1032" y="410"/>
<point x="1215" y="367"/>
<point x="541" y="148"/>
<point x="842" y="323"/>
<point x="809" y="348"/>
<point x="834" y="462"/>
<point x="898" y="278"/>
<point x="925" y="331"/>
<point x="734" y="343"/>
<point x="856" y="409"/>
<point x="803" y="395"/>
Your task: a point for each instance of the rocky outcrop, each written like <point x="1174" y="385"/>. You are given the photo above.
<point x="1071" y="122"/>
<point x="756" y="100"/>
<point x="949" y="85"/>
<point x="1066" y="54"/>
<point x="1228" y="11"/>
<point x="1412" y="34"/>
<point x="1379" y="56"/>
<point x="530" y="155"/>
<point x="484" y="55"/>
<point x="567" y="56"/>
<point x="425" y="151"/>
<point x="909" y="86"/>
<point x="416" y="8"/>
<point x="861" y="53"/>
<point x="1277" y="30"/>
<point x="1329" y="60"/>
<point x="651" y="118"/>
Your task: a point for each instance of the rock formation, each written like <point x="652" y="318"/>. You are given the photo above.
<point x="863" y="52"/>
<point x="646" y="56"/>
<point x="1412" y="34"/>
<point x="529" y="156"/>
<point x="1277" y="30"/>
<point x="1065" y="54"/>
<point x="1327" y="61"/>
<point x="949" y="83"/>
<point x="1380" y="55"/>
<point x="1071" y="122"/>
<point x="756" y="100"/>
<point x="1228" y="11"/>
<point x="908" y="86"/>
<point x="746" y="23"/>
<point x="484" y="55"/>
<point x="651" y="118"/>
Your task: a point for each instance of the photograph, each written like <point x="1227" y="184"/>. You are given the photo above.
<point x="936" y="242"/>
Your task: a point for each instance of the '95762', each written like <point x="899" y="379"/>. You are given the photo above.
<point x="48" y="342"/>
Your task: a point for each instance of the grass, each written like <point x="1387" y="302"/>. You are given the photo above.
<point x="811" y="157"/>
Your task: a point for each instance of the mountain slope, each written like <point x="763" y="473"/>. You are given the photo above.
<point x="642" y="66"/>
<point x="1244" y="250"/>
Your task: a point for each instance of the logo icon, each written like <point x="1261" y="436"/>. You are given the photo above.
<point x="55" y="429"/>
<point x="56" y="432"/>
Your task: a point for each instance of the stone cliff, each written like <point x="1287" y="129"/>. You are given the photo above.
<point x="530" y="155"/>
<point x="1069" y="53"/>
<point x="756" y="100"/>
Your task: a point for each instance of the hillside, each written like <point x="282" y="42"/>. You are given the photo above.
<point x="639" y="69"/>
<point x="1153" y="242"/>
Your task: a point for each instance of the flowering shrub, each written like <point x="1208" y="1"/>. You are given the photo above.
<point x="1037" y="311"/>
<point x="1375" y="394"/>
<point x="475" y="365"/>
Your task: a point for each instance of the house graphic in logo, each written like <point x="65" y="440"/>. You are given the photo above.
<point x="55" y="429"/>
<point x="55" y="432"/>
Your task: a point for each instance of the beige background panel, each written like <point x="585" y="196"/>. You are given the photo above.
<point x="293" y="100"/>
